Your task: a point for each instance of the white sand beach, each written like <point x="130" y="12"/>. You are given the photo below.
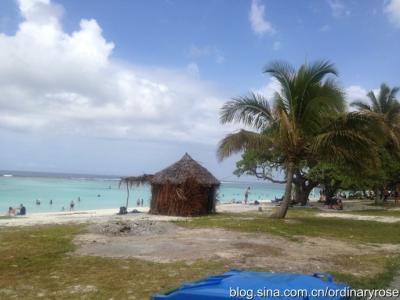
<point x="103" y="215"/>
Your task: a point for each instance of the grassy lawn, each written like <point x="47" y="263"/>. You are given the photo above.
<point x="391" y="267"/>
<point x="37" y="262"/>
<point x="375" y="212"/>
<point x="303" y="222"/>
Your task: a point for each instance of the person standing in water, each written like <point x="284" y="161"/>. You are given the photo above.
<point x="72" y="204"/>
<point x="246" y="195"/>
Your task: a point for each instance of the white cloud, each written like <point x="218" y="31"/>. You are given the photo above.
<point x="55" y="82"/>
<point x="338" y="9"/>
<point x="356" y="93"/>
<point x="258" y="22"/>
<point x="268" y="91"/>
<point x="392" y="10"/>
<point x="207" y="51"/>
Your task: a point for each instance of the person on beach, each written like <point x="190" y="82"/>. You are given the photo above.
<point x="141" y="202"/>
<point x="11" y="211"/>
<point x="22" y="210"/>
<point x="51" y="202"/>
<point x="79" y="199"/>
<point x="339" y="204"/>
<point x="37" y="202"/>
<point x="138" y="202"/>
<point x="385" y="195"/>
<point x="246" y="195"/>
<point x="71" y="205"/>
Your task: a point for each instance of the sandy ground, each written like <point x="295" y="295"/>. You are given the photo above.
<point x="101" y="215"/>
<point x="243" y="250"/>
<point x="77" y="217"/>
<point x="145" y="236"/>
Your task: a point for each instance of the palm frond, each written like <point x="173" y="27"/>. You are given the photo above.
<point x="285" y="74"/>
<point x="352" y="138"/>
<point x="242" y="140"/>
<point x="252" y="110"/>
<point x="360" y="105"/>
<point x="375" y="103"/>
<point x="315" y="73"/>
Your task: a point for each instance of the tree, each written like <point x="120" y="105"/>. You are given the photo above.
<point x="308" y="119"/>
<point x="386" y="108"/>
<point x="264" y="165"/>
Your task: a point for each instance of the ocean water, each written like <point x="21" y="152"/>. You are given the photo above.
<point x="97" y="192"/>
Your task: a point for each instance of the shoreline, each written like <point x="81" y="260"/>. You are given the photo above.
<point x="103" y="215"/>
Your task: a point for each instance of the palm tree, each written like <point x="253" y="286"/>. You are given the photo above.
<point x="385" y="106"/>
<point x="307" y="117"/>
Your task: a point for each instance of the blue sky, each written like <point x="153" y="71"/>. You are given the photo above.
<point x="128" y="86"/>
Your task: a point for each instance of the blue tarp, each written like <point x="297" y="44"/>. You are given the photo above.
<point x="240" y="285"/>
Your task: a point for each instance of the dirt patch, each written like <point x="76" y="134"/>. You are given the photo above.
<point x="129" y="227"/>
<point x="166" y="242"/>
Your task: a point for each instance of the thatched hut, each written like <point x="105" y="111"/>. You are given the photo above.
<point x="183" y="189"/>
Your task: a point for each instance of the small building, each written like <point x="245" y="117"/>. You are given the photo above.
<point x="183" y="189"/>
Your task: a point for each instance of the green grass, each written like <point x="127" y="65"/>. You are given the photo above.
<point x="376" y="212"/>
<point x="302" y="222"/>
<point x="391" y="267"/>
<point x="36" y="263"/>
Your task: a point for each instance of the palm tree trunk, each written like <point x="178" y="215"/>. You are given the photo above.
<point x="281" y="212"/>
<point x="378" y="198"/>
<point x="127" y="196"/>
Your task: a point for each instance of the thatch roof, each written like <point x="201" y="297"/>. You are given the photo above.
<point x="136" y="180"/>
<point x="184" y="169"/>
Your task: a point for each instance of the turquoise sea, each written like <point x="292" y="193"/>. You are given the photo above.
<point x="97" y="192"/>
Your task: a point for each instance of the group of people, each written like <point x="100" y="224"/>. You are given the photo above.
<point x="334" y="202"/>
<point x="139" y="202"/>
<point x="71" y="204"/>
<point x="394" y="194"/>
<point x="20" y="211"/>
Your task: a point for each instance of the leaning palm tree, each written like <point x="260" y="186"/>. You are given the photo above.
<point x="385" y="106"/>
<point x="306" y="106"/>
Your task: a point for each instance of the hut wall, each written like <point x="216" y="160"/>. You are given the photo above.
<point x="187" y="199"/>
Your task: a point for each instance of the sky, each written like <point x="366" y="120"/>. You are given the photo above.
<point x="126" y="87"/>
